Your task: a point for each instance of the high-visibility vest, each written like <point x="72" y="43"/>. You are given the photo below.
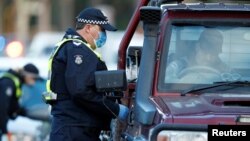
<point x="58" y="46"/>
<point x="16" y="81"/>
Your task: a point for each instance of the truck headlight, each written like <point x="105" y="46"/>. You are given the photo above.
<point x="244" y="119"/>
<point x="181" y="136"/>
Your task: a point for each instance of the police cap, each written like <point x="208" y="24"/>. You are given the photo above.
<point x="94" y="16"/>
<point x="30" y="69"/>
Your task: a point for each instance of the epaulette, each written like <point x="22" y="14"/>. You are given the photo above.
<point x="77" y="43"/>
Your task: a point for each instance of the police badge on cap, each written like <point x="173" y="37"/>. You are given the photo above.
<point x="94" y="16"/>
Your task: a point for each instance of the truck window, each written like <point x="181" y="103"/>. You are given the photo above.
<point x="198" y="55"/>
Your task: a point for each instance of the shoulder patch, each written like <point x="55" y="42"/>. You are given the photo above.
<point x="78" y="59"/>
<point x="8" y="91"/>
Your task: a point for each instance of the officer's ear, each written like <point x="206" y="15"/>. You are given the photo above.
<point x="87" y="28"/>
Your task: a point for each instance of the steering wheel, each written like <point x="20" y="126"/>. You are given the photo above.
<point x="196" y="69"/>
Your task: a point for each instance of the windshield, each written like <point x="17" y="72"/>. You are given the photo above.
<point x="202" y="55"/>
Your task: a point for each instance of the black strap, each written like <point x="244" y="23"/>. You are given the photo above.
<point x="63" y="97"/>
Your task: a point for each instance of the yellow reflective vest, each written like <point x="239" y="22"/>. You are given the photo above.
<point x="16" y="81"/>
<point x="58" y="46"/>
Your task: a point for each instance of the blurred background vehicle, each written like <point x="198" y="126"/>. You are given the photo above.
<point x="110" y="50"/>
<point x="43" y="43"/>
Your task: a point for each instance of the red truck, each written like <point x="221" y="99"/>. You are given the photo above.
<point x="193" y="69"/>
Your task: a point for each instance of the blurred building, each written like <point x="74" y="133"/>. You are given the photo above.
<point x="22" y="19"/>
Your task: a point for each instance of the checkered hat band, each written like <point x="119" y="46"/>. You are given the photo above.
<point x="91" y="21"/>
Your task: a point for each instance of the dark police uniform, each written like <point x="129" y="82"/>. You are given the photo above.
<point x="80" y="112"/>
<point x="10" y="91"/>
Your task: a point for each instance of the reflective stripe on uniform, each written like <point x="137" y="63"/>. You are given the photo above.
<point x="16" y="82"/>
<point x="58" y="46"/>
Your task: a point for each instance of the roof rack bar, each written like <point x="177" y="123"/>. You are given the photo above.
<point x="153" y="2"/>
<point x="166" y="1"/>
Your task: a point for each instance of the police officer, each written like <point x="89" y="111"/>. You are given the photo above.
<point x="79" y="111"/>
<point x="11" y="82"/>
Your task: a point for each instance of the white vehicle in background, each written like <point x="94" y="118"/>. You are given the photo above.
<point x="43" y="44"/>
<point x="41" y="47"/>
<point x="38" y="53"/>
<point x="110" y="50"/>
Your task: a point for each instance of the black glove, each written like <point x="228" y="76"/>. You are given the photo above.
<point x="13" y="115"/>
<point x="22" y="111"/>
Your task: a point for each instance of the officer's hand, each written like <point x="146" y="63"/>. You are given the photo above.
<point x="123" y="112"/>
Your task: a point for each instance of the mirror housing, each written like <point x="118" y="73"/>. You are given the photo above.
<point x="134" y="53"/>
<point x="111" y="81"/>
<point x="133" y="62"/>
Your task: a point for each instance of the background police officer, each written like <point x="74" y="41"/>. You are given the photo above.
<point x="10" y="92"/>
<point x="80" y="113"/>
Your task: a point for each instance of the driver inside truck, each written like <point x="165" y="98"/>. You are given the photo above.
<point x="204" y="57"/>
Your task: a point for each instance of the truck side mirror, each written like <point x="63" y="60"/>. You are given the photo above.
<point x="111" y="81"/>
<point x="133" y="62"/>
